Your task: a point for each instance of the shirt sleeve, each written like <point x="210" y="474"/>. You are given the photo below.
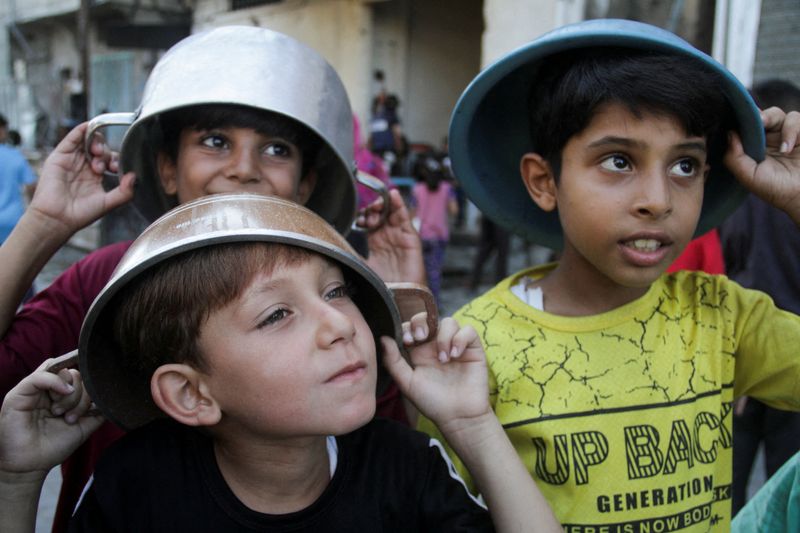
<point x="26" y="175"/>
<point x="447" y="503"/>
<point x="90" y="516"/>
<point x="49" y="325"/>
<point x="767" y="358"/>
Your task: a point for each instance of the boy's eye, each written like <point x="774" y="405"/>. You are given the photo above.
<point x="615" y="163"/>
<point x="274" y="317"/>
<point x="684" y="168"/>
<point x="340" y="291"/>
<point x="214" y="141"/>
<point x="278" y="150"/>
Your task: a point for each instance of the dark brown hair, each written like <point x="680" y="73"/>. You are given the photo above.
<point x="157" y="317"/>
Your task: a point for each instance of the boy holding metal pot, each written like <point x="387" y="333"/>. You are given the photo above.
<point x="617" y="141"/>
<point x="251" y="403"/>
<point x="242" y="132"/>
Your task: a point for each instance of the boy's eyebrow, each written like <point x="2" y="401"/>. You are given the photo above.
<point x="611" y="140"/>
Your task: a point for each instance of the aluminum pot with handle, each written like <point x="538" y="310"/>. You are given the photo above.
<point x="120" y="391"/>
<point x="254" y="67"/>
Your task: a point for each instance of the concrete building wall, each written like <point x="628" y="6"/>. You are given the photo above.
<point x="444" y="56"/>
<point x="428" y="51"/>
<point x="340" y="30"/>
<point x="26" y="10"/>
<point x="512" y="23"/>
<point x="778" y="41"/>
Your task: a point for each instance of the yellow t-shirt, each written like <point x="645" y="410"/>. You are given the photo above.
<point x="624" y="418"/>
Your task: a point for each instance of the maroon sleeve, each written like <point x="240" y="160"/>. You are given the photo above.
<point x="49" y="324"/>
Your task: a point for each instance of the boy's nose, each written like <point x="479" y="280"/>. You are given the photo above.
<point x="334" y="325"/>
<point x="654" y="198"/>
<point x="244" y="167"/>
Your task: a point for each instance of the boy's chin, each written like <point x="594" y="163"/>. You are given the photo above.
<point x="352" y="419"/>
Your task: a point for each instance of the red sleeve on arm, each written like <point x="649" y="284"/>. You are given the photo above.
<point x="702" y="254"/>
<point x="49" y="324"/>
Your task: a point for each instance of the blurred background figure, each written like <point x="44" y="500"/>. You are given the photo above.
<point x="493" y="238"/>
<point x="14" y="138"/>
<point x="386" y="139"/>
<point x="761" y="246"/>
<point x="370" y="163"/>
<point x="434" y="204"/>
<point x="16" y="178"/>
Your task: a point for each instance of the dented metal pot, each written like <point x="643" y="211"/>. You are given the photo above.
<point x="122" y="395"/>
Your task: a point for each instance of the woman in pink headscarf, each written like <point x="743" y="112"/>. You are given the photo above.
<point x="370" y="163"/>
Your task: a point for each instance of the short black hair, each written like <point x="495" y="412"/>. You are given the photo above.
<point x="571" y="86"/>
<point x="3" y="121"/>
<point x="211" y="116"/>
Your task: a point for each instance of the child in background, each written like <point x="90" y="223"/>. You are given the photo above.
<point x="261" y="353"/>
<point x="762" y="251"/>
<point x="434" y="203"/>
<point x="619" y="141"/>
<point x="185" y="145"/>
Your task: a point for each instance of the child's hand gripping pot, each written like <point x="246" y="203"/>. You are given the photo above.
<point x="42" y="421"/>
<point x="448" y="383"/>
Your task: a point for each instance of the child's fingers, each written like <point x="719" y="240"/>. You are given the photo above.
<point x="790" y="132"/>
<point x="398" y="367"/>
<point x="444" y="340"/>
<point x="82" y="405"/>
<point x="28" y="393"/>
<point x="63" y="403"/>
<point x="97" y="146"/>
<point x="464" y="338"/>
<point x="123" y="192"/>
<point x="417" y="329"/>
<point x="738" y="162"/>
<point x="787" y="125"/>
<point x="73" y="140"/>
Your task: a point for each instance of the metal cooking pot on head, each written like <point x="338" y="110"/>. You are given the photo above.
<point x="253" y="67"/>
<point x="122" y="395"/>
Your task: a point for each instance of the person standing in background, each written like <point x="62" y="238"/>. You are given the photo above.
<point x="15" y="176"/>
<point x="761" y="246"/>
<point x="435" y="202"/>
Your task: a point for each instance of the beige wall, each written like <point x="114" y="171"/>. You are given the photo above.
<point x="429" y="51"/>
<point x="340" y="30"/>
<point x="444" y="56"/>
<point x="512" y="23"/>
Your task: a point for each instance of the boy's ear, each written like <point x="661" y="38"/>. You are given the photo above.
<point x="537" y="175"/>
<point x="181" y="392"/>
<point x="306" y="186"/>
<point x="168" y="173"/>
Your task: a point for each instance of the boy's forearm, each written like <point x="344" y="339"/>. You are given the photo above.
<point x="28" y="248"/>
<point x="19" y="500"/>
<point x="514" y="500"/>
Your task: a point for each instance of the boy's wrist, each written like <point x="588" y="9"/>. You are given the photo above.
<point x="469" y="430"/>
<point x="39" y="227"/>
<point x="19" y="499"/>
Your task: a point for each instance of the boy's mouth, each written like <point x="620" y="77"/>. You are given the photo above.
<point x="349" y="373"/>
<point x="644" y="245"/>
<point x="645" y="250"/>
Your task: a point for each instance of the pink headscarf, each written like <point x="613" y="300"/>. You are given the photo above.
<point x="367" y="162"/>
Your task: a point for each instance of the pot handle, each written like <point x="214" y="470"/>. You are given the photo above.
<point x="377" y="186"/>
<point x="69" y="360"/>
<point x="413" y="298"/>
<point x="101" y="121"/>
